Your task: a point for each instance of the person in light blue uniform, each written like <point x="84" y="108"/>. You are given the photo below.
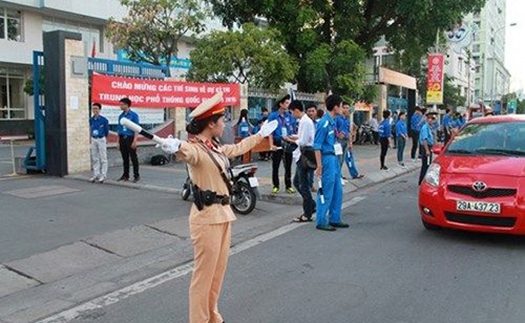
<point x="402" y="137"/>
<point x="385" y="132"/>
<point x="344" y="137"/>
<point x="99" y="128"/>
<point x="330" y="192"/>
<point x="415" y="127"/>
<point x="281" y="143"/>
<point x="447" y="124"/>
<point x="426" y="141"/>
<point x="127" y="143"/>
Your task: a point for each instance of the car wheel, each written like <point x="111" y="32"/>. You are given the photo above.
<point x="430" y="227"/>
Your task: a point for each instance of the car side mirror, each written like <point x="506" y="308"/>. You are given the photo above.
<point x="437" y="149"/>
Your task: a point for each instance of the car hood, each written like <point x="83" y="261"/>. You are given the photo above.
<point x="490" y="165"/>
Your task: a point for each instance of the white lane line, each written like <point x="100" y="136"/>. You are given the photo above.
<point x="166" y="276"/>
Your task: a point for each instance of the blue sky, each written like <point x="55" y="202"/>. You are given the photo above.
<point x="515" y="43"/>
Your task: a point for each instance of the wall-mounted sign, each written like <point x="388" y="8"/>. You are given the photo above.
<point x="176" y="62"/>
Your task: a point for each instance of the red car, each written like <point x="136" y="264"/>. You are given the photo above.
<point x="477" y="182"/>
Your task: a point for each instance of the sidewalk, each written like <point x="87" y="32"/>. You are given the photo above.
<point x="170" y="178"/>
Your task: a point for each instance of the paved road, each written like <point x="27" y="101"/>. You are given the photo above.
<point x="385" y="268"/>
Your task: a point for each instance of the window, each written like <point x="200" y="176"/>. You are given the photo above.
<point x="10" y="24"/>
<point x="12" y="97"/>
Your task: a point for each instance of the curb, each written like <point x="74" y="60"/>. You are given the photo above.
<point x="290" y="199"/>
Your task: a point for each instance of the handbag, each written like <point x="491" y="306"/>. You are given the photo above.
<point x="307" y="159"/>
<point x="289" y="147"/>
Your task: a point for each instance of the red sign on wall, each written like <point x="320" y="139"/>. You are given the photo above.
<point x="435" y="79"/>
<point x="159" y="94"/>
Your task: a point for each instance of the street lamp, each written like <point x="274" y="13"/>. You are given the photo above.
<point x="493" y="79"/>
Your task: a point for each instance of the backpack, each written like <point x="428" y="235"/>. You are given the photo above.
<point x="158" y="160"/>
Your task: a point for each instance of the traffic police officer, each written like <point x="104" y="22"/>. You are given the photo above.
<point x="330" y="192"/>
<point x="210" y="220"/>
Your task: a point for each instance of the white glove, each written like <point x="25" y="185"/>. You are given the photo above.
<point x="170" y="145"/>
<point x="268" y="127"/>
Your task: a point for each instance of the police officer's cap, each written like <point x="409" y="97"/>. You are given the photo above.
<point x="208" y="108"/>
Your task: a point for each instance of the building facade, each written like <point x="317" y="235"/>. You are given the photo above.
<point x="22" y="24"/>
<point x="492" y="79"/>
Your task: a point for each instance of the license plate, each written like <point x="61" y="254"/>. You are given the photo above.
<point x="482" y="207"/>
<point x="254" y="182"/>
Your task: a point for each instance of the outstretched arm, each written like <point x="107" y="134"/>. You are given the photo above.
<point x="242" y="147"/>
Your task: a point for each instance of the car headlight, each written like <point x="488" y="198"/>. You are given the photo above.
<point x="432" y="176"/>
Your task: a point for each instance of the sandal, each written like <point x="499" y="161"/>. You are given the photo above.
<point x="302" y="218"/>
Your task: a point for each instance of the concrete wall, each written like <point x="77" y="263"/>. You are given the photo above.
<point x="77" y="112"/>
<point x="22" y="52"/>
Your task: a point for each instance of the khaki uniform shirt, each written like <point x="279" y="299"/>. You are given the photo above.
<point x="206" y="176"/>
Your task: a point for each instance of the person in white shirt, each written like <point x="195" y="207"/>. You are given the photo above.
<point x="304" y="157"/>
<point x="374" y="126"/>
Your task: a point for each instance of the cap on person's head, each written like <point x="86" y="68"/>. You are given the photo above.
<point x="208" y="108"/>
<point x="282" y="96"/>
<point x="431" y="113"/>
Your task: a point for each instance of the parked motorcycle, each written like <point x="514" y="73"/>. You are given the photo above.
<point x="364" y="135"/>
<point x="245" y="188"/>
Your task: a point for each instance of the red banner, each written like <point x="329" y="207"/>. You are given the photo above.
<point x="435" y="79"/>
<point x="159" y="94"/>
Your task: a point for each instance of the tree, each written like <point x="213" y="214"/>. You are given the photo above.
<point x="308" y="24"/>
<point x="452" y="94"/>
<point x="251" y="55"/>
<point x="152" y="28"/>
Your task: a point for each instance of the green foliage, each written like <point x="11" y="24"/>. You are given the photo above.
<point x="312" y="29"/>
<point x="452" y="94"/>
<point x="152" y="28"/>
<point x="29" y="86"/>
<point x="521" y="107"/>
<point x="251" y="55"/>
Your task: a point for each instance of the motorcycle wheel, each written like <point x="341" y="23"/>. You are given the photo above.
<point x="244" y="199"/>
<point x="186" y="191"/>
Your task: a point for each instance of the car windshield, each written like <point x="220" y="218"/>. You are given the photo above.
<point x="490" y="139"/>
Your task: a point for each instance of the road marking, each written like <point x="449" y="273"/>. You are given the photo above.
<point x="169" y="275"/>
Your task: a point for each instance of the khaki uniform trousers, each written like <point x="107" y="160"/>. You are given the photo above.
<point x="211" y="245"/>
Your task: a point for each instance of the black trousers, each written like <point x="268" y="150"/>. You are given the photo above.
<point x="415" y="143"/>
<point x="276" y="162"/>
<point x="384" y="149"/>
<point x="375" y="135"/>
<point x="426" y="160"/>
<point x="127" y="152"/>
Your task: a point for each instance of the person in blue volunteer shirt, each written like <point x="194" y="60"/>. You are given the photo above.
<point x="401" y="137"/>
<point x="447" y="124"/>
<point x="343" y="126"/>
<point x="385" y="132"/>
<point x="330" y="192"/>
<point x="426" y="140"/>
<point x="263" y="155"/>
<point x="416" y="121"/>
<point x="127" y="143"/>
<point x="99" y="129"/>
<point x="243" y="126"/>
<point x="281" y="144"/>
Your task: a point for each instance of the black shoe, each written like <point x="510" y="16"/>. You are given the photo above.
<point x="136" y="179"/>
<point x="339" y="225"/>
<point x="325" y="227"/>
<point x="123" y="178"/>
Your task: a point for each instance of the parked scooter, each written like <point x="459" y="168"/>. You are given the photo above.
<point x="364" y="135"/>
<point x="245" y="188"/>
